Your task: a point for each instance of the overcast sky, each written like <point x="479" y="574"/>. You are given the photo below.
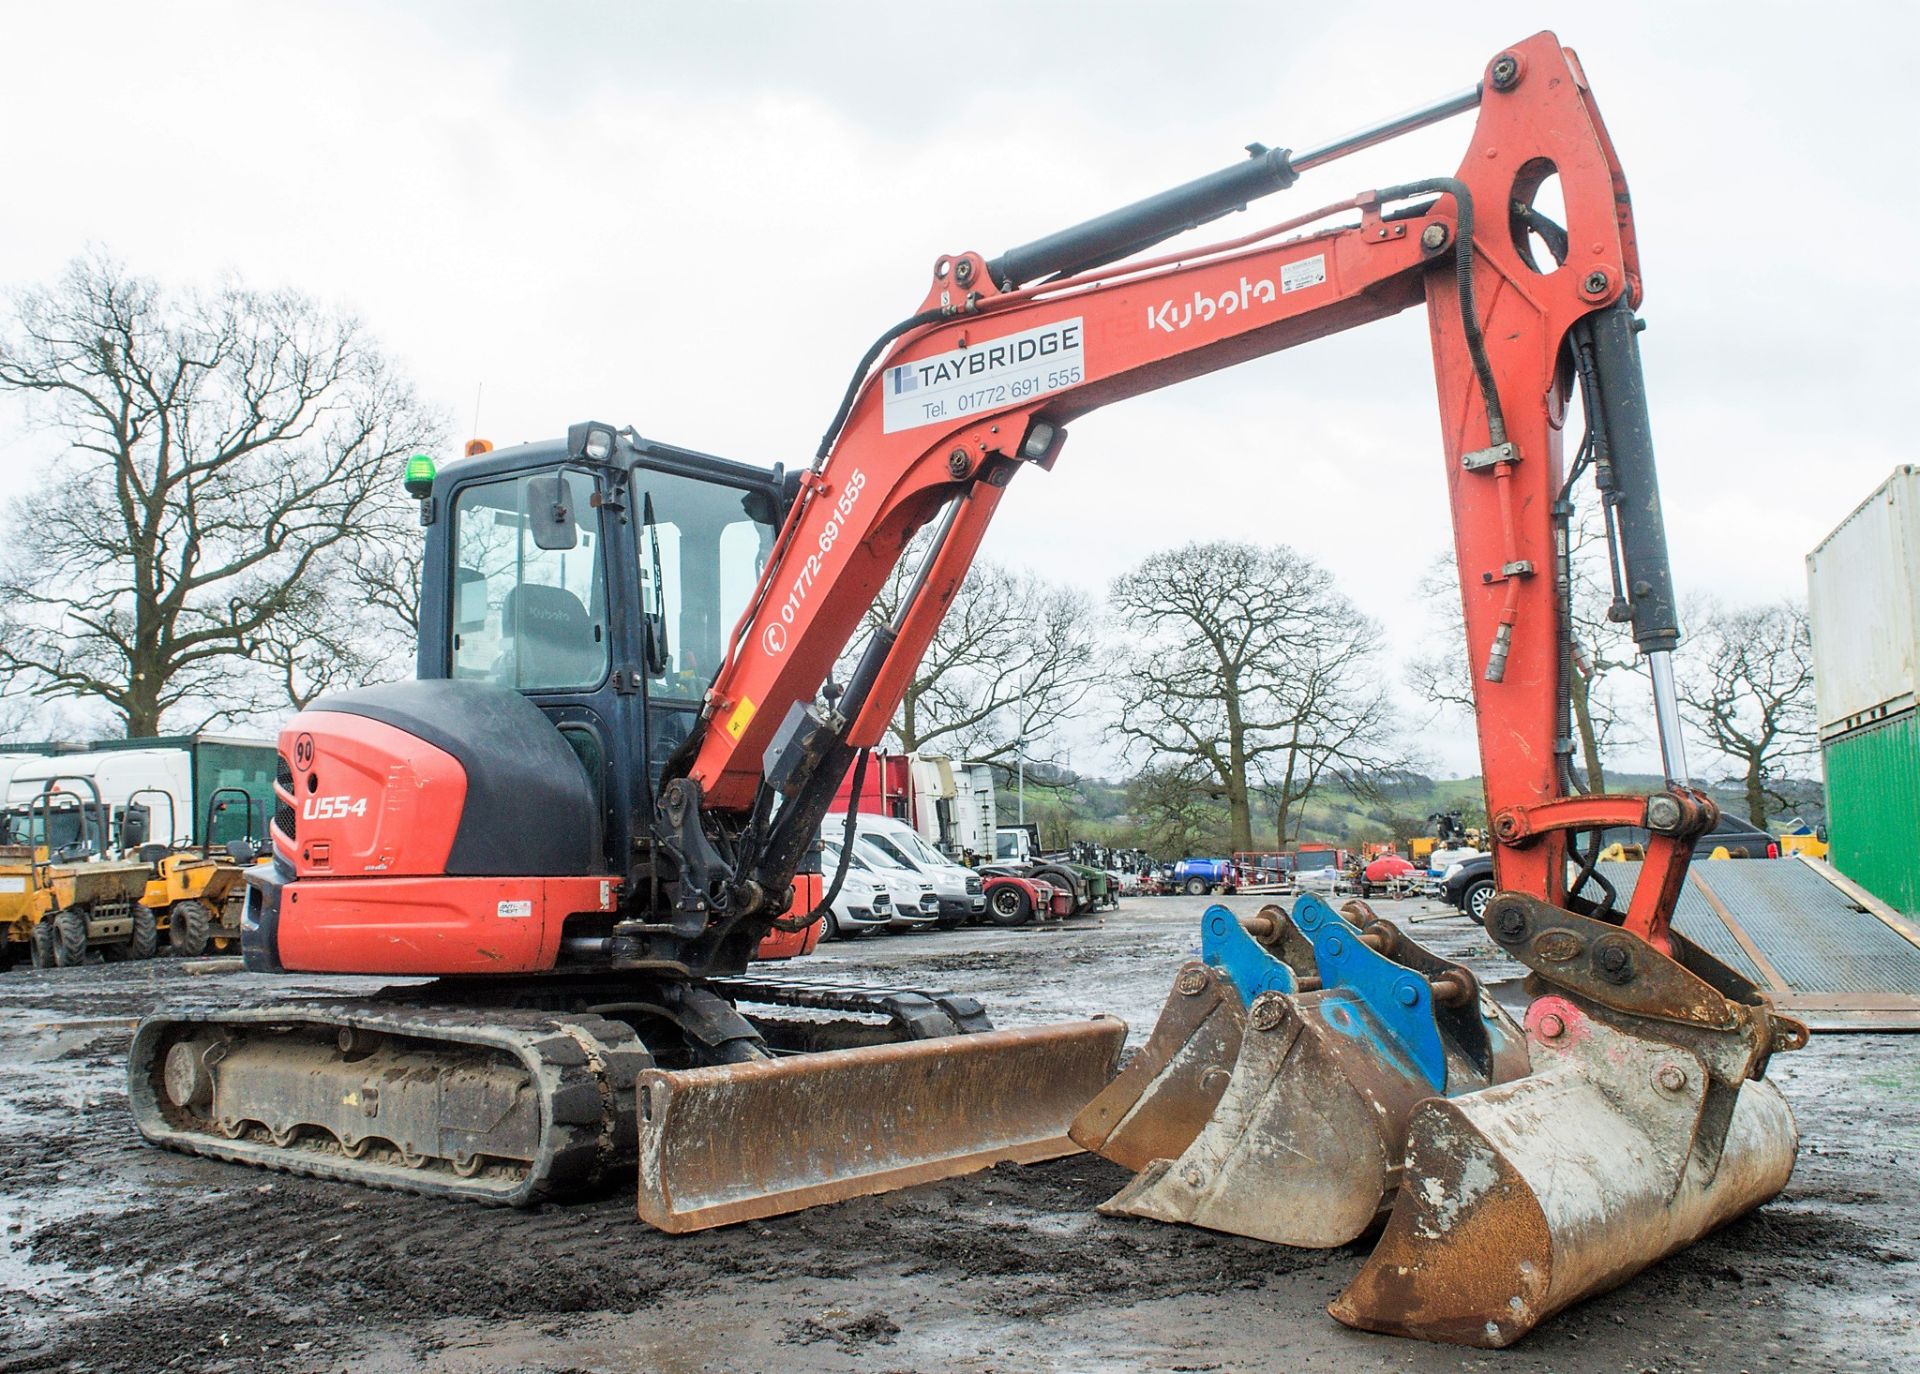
<point x="694" y="217"/>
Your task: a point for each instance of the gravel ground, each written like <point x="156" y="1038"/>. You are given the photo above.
<point x="117" y="1257"/>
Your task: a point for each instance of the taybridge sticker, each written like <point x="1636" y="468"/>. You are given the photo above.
<point x="1174" y="316"/>
<point x="991" y="374"/>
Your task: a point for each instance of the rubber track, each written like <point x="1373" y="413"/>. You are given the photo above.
<point x="965" y="1013"/>
<point x="584" y="1067"/>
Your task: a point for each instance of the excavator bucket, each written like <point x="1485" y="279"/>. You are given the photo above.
<point x="1616" y="1151"/>
<point x="734" y="1142"/>
<point x="1166" y="1093"/>
<point x="1305" y="1140"/>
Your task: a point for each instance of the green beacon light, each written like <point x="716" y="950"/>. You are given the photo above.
<point x="419" y="479"/>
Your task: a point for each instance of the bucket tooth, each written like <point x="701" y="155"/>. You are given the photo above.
<point x="1525" y="1198"/>
<point x="734" y="1142"/>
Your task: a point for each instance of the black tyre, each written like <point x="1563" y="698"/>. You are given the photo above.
<point x="829" y="924"/>
<point x="190" y="929"/>
<point x="1063" y="881"/>
<point x="69" y="939"/>
<point x="41" y="943"/>
<point x="146" y="933"/>
<point x="1474" y="900"/>
<point x="1196" y="887"/>
<point x="1009" y="906"/>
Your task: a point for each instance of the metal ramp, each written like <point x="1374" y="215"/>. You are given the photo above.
<point x="1823" y="948"/>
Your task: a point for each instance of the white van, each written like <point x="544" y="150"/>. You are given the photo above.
<point x="863" y="903"/>
<point x="914" y="903"/>
<point x="962" y="896"/>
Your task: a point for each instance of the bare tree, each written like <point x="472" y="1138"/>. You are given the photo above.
<point x="1014" y="658"/>
<point x="1746" y="686"/>
<point x="1249" y="670"/>
<point x="1170" y="811"/>
<point x="224" y="454"/>
<point x="1599" y="652"/>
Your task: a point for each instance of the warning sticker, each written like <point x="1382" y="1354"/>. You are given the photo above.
<point x="991" y="374"/>
<point x="742" y="717"/>
<point x="1306" y="272"/>
<point x="13" y="884"/>
<point x="516" y="909"/>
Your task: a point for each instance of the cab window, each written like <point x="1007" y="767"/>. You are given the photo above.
<point x="709" y="543"/>
<point x="527" y="617"/>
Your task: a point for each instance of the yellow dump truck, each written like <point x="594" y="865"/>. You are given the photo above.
<point x="197" y="891"/>
<point x="62" y="894"/>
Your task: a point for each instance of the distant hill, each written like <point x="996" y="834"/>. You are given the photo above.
<point x="1096" y="809"/>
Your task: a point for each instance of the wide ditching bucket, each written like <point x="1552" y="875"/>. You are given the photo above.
<point x="1273" y="1101"/>
<point x="1645" y="1123"/>
<point x="1615" y="1152"/>
<point x="735" y="1142"/>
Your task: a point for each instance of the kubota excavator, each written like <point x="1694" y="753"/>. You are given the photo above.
<point x="587" y="814"/>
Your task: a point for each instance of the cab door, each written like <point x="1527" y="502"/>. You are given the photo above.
<point x="543" y="603"/>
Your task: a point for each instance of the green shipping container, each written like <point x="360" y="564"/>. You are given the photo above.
<point x="1873" y="808"/>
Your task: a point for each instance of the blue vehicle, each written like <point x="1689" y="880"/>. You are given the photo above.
<point x="1200" y="877"/>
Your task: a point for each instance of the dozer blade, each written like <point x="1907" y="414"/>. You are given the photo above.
<point x="1166" y="1093"/>
<point x="1525" y="1198"/>
<point x="734" y="1142"/>
<point x="1304" y="1147"/>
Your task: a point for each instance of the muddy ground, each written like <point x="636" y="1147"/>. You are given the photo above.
<point x="117" y="1257"/>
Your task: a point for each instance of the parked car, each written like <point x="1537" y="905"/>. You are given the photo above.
<point x="1740" y="838"/>
<point x="1200" y="877"/>
<point x="1468" y="883"/>
<point x="914" y="904"/>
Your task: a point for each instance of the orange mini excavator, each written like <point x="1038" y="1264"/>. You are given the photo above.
<point x="594" y="805"/>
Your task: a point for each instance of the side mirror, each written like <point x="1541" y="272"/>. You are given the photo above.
<point x="469" y="600"/>
<point x="1820" y="832"/>
<point x="550" y="512"/>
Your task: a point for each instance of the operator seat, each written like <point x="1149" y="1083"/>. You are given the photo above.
<point x="554" y="642"/>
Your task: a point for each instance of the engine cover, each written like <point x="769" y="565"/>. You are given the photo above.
<point x="464" y="779"/>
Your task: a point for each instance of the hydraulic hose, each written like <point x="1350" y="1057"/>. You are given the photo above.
<point x="847" y="838"/>
<point x="1463" y="278"/>
<point x="905" y="326"/>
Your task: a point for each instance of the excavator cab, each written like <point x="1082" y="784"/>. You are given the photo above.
<point x="599" y="589"/>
